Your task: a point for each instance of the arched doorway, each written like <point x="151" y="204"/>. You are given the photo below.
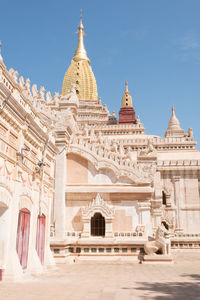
<point x="23" y="236"/>
<point x="98" y="225"/>
<point x="40" y="240"/>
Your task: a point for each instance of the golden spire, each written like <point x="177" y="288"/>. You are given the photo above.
<point x="80" y="72"/>
<point x="80" y="53"/>
<point x="127" y="99"/>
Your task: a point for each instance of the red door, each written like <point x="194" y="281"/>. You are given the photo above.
<point x="40" y="240"/>
<point x="23" y="236"/>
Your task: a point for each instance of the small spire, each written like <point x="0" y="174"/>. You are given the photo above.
<point x="174" y="128"/>
<point x="1" y="58"/>
<point x="127" y="99"/>
<point x="126" y="83"/>
<point x="174" y="122"/>
<point x="80" y="53"/>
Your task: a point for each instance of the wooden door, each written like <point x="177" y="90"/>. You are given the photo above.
<point x="40" y="240"/>
<point x="23" y="236"/>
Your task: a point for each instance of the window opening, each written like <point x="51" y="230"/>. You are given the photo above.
<point x="98" y="225"/>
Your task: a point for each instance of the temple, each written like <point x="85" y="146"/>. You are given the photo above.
<point x="78" y="184"/>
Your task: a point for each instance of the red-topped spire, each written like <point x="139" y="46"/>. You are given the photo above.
<point x="127" y="113"/>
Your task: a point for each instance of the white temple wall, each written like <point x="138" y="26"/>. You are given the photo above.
<point x="190" y="221"/>
<point x="146" y="221"/>
<point x="185" y="199"/>
<point x="12" y="268"/>
<point x="127" y="215"/>
<point x="77" y="170"/>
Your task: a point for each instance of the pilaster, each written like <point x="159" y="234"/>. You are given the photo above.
<point x="60" y="182"/>
<point x="176" y="182"/>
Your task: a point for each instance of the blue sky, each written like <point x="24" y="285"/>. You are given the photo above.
<point x="154" y="44"/>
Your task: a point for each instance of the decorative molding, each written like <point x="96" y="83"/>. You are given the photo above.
<point x="98" y="205"/>
<point x="120" y="164"/>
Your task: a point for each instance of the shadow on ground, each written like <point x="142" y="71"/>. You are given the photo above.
<point x="188" y="289"/>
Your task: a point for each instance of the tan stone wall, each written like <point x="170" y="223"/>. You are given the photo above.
<point x="77" y="170"/>
<point x="121" y="222"/>
<point x="74" y="216"/>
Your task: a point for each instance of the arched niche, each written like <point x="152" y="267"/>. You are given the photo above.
<point x="98" y="205"/>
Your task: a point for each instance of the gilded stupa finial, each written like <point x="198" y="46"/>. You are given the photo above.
<point x="80" y="53"/>
<point x="81" y="14"/>
<point x="126" y="84"/>
<point x="80" y="71"/>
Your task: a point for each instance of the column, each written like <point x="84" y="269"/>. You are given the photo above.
<point x="108" y="224"/>
<point x="176" y="182"/>
<point x="59" y="203"/>
<point x="144" y="216"/>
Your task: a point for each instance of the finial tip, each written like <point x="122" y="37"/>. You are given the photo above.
<point x="81" y="14"/>
<point x="126" y="83"/>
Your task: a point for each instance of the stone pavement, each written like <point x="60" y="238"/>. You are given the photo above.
<point x="112" y="281"/>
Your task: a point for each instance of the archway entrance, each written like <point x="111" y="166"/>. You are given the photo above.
<point x="98" y="225"/>
<point x="23" y="236"/>
<point x="40" y="241"/>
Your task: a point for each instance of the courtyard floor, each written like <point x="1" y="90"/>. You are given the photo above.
<point x="112" y="281"/>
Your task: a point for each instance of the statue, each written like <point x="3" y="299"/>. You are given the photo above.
<point x="121" y="150"/>
<point x="100" y="138"/>
<point x="92" y="134"/>
<point x="14" y="74"/>
<point x="56" y="98"/>
<point x="161" y="242"/>
<point x="86" y="130"/>
<point x="34" y="90"/>
<point x="114" y="147"/>
<point x="72" y="91"/>
<point x="72" y="96"/>
<point x="41" y="92"/>
<point x="21" y="81"/>
<point x="48" y="97"/>
<point x="149" y="151"/>
<point x="28" y="85"/>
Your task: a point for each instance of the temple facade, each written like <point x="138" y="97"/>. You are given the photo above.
<point x="76" y="180"/>
<point x="118" y="183"/>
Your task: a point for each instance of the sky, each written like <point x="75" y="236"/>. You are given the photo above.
<point x="153" y="44"/>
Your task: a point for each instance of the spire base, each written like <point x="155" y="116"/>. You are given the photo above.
<point x="127" y="115"/>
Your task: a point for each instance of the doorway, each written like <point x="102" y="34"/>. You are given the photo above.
<point x="23" y="236"/>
